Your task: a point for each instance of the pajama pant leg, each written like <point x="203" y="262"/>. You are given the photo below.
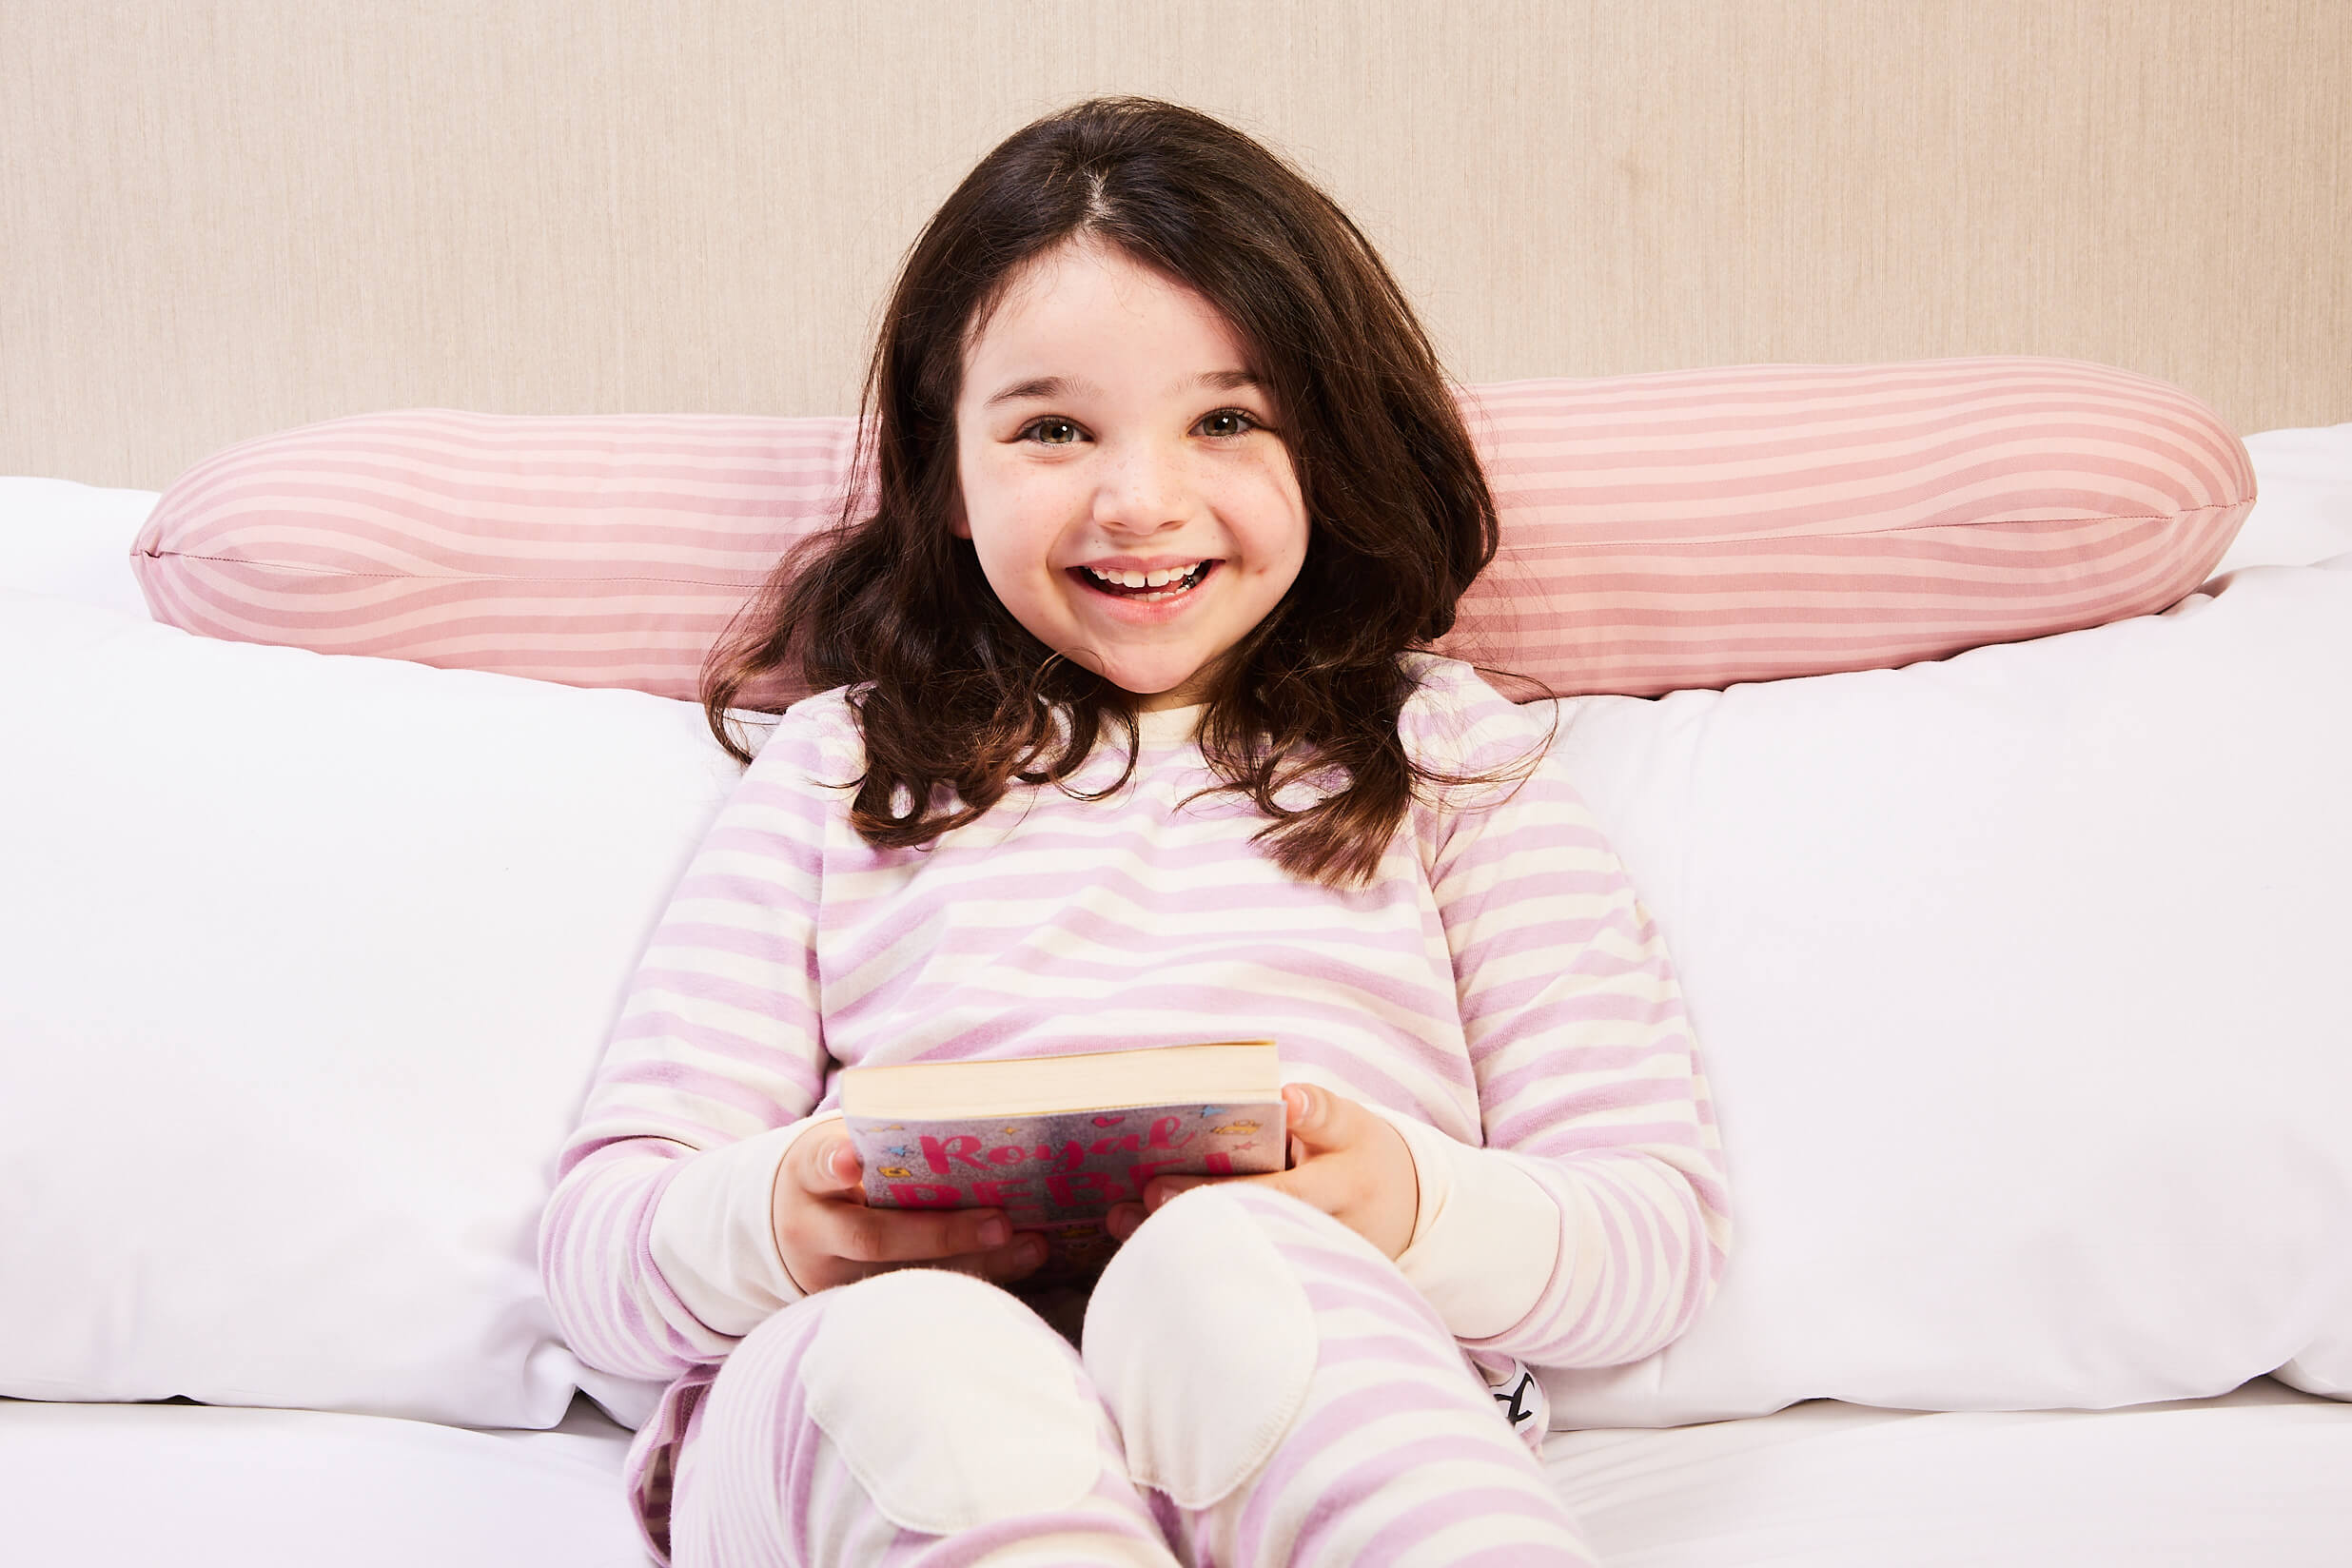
<point x="1285" y="1397"/>
<point x="919" y="1417"/>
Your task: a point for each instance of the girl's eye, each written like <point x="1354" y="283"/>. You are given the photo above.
<point x="1051" y="432"/>
<point x="1236" y="423"/>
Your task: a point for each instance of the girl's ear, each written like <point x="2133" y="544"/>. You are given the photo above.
<point x="958" y="522"/>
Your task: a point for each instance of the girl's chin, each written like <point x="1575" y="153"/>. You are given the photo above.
<point x="1144" y="666"/>
<point x="1152" y="687"/>
<point x="1150" y="694"/>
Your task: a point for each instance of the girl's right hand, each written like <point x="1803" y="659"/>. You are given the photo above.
<point x="828" y="1236"/>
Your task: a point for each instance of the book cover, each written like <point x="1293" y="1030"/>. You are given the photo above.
<point x="1058" y="1172"/>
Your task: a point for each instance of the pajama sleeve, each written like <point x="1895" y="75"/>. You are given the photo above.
<point x="654" y="1247"/>
<point x="1594" y="1108"/>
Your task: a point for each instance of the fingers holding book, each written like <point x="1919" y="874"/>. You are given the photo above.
<point x="1344" y="1159"/>
<point x="827" y="1234"/>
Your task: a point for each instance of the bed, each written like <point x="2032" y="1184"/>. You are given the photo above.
<point x="2255" y="1476"/>
<point x="2231" y="1468"/>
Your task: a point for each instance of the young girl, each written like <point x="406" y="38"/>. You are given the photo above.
<point x="1125" y="741"/>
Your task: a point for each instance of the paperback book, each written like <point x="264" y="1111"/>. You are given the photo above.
<point x="1055" y="1140"/>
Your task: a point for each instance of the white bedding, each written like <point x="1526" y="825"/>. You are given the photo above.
<point x="118" y="1485"/>
<point x="2263" y="1476"/>
<point x="72" y="541"/>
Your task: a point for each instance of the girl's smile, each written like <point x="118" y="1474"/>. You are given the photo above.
<point x="1137" y="583"/>
<point x="1123" y="481"/>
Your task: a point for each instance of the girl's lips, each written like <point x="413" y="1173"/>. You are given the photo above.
<point x="1143" y="607"/>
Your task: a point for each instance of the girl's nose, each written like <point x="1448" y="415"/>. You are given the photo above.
<point x="1144" y="489"/>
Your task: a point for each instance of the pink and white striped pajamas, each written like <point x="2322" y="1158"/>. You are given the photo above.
<point x="1258" y="1384"/>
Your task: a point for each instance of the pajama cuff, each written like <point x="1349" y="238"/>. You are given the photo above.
<point x="1486" y="1238"/>
<point x="713" y="1231"/>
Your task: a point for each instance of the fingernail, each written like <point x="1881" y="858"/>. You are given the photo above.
<point x="995" y="1234"/>
<point x="1032" y="1252"/>
<point x="1122" y="1227"/>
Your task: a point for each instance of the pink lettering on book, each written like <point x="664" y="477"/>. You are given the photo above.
<point x="999" y="1194"/>
<point x="924" y="1195"/>
<point x="1142" y="1171"/>
<point x="1059" y="1169"/>
<point x="967" y="1150"/>
<point x="1098" y="1188"/>
<point x="942" y="1153"/>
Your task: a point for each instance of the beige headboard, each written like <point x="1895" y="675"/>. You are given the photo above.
<point x="219" y="218"/>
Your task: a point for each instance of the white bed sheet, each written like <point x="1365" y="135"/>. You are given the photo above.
<point x="204" y="1486"/>
<point x="2261" y="1476"/>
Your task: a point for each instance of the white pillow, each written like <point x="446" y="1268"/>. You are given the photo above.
<point x="2023" y="985"/>
<point x="73" y="540"/>
<point x="305" y="963"/>
<point x="2303" y="510"/>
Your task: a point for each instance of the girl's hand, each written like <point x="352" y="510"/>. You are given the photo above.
<point x="1344" y="1159"/>
<point x="828" y="1236"/>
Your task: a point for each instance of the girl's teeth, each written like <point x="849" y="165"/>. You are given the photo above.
<point x="1144" y="580"/>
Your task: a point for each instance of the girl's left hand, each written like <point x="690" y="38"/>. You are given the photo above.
<point x="1344" y="1159"/>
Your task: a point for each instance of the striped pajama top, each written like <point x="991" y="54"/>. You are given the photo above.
<point x="1498" y="982"/>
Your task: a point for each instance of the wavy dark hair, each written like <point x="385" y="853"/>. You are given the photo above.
<point x="953" y="696"/>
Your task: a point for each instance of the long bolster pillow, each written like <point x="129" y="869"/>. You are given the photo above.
<point x="1660" y="532"/>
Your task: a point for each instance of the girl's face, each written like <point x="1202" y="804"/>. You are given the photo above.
<point x="1122" y="484"/>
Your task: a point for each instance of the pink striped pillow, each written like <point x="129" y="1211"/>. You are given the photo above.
<point x="1689" y="529"/>
<point x="1697" y="528"/>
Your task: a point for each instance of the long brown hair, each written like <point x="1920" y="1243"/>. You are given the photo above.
<point x="954" y="697"/>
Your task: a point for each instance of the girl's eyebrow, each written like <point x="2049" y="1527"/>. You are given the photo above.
<point x="1061" y="386"/>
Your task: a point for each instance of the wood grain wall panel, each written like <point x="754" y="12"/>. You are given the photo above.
<point x="219" y="218"/>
